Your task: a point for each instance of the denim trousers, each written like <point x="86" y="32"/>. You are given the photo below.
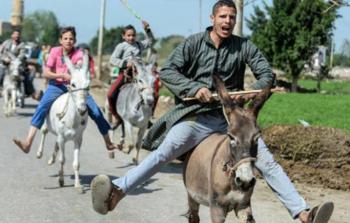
<point x="52" y="93"/>
<point x="185" y="135"/>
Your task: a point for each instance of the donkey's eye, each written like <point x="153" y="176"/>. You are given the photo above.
<point x="256" y="137"/>
<point x="73" y="85"/>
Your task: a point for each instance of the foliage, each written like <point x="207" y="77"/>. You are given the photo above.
<point x="41" y="27"/>
<point x="343" y="58"/>
<point x="167" y="45"/>
<point x="5" y="36"/>
<point x="289" y="31"/>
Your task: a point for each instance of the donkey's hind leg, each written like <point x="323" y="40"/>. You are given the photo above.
<point x="193" y="209"/>
<point x="44" y="130"/>
<point x="53" y="156"/>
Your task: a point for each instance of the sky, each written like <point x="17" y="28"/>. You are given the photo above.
<point x="166" y="17"/>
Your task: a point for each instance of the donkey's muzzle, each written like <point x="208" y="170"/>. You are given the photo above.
<point x="243" y="184"/>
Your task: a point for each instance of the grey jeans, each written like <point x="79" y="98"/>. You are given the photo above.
<point x="186" y="135"/>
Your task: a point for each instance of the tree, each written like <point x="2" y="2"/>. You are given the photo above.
<point x="41" y="27"/>
<point x="289" y="32"/>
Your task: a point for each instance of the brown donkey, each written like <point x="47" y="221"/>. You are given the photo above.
<point x="219" y="172"/>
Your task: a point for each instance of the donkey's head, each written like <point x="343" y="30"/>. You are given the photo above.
<point x="243" y="133"/>
<point x="145" y="82"/>
<point x="80" y="82"/>
<point x="16" y="66"/>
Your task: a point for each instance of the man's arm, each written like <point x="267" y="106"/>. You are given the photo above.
<point x="259" y="66"/>
<point x="172" y="73"/>
<point x="116" y="58"/>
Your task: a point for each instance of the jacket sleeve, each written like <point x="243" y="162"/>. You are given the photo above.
<point x="173" y="73"/>
<point x="148" y="42"/>
<point x="259" y="66"/>
<point x="116" y="58"/>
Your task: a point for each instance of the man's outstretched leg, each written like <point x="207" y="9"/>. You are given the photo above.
<point x="280" y="183"/>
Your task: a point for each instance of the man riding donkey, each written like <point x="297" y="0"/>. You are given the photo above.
<point x="16" y="47"/>
<point x="189" y="72"/>
<point x="120" y="58"/>
<point x="57" y="72"/>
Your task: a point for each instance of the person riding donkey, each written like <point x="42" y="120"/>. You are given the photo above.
<point x="120" y="58"/>
<point x="57" y="72"/>
<point x="16" y="47"/>
<point x="189" y="72"/>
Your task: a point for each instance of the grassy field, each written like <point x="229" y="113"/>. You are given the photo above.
<point x="330" y="109"/>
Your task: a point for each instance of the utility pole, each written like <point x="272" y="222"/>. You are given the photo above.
<point x="238" y="30"/>
<point x="100" y="40"/>
<point x="200" y="15"/>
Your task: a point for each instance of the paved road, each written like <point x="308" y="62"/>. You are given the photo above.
<point x="30" y="193"/>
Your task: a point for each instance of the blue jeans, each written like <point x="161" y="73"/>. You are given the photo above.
<point x="52" y="92"/>
<point x="186" y="135"/>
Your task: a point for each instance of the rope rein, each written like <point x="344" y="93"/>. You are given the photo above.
<point x="61" y="114"/>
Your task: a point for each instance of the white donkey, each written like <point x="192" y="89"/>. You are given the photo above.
<point x="68" y="119"/>
<point x="134" y="105"/>
<point x="12" y="82"/>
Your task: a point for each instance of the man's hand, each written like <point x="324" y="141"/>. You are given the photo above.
<point x="66" y="77"/>
<point x="204" y="95"/>
<point x="145" y="25"/>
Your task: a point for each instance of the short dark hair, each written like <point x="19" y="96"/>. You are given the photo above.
<point x="68" y="29"/>
<point x="128" y="27"/>
<point x="16" y="30"/>
<point x="220" y="3"/>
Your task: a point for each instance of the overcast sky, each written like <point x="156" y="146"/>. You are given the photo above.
<point x="166" y="17"/>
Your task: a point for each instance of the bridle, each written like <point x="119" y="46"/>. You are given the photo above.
<point x="65" y="108"/>
<point x="229" y="167"/>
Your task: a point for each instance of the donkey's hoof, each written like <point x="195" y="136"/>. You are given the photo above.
<point x="50" y="162"/>
<point x="135" y="161"/>
<point x="39" y="155"/>
<point x="61" y="182"/>
<point x="80" y="189"/>
<point x="111" y="154"/>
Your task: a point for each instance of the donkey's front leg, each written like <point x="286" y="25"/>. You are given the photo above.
<point x="130" y="135"/>
<point x="76" y="164"/>
<point x="62" y="159"/>
<point x="13" y="101"/>
<point x="245" y="214"/>
<point x="138" y="144"/>
<point x="217" y="213"/>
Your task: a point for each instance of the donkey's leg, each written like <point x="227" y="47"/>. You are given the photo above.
<point x="62" y="159"/>
<point x="193" y="209"/>
<point x="244" y="214"/>
<point x="13" y="101"/>
<point x="6" y="102"/>
<point x="217" y="213"/>
<point x="122" y="137"/>
<point x="54" y="154"/>
<point x="138" y="144"/>
<point x="130" y="135"/>
<point x="76" y="164"/>
<point x="44" y="130"/>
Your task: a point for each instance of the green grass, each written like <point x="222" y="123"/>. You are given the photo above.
<point x="316" y="109"/>
<point x="330" y="86"/>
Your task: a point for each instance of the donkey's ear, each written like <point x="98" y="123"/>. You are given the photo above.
<point x="85" y="66"/>
<point x="69" y="64"/>
<point x="258" y="102"/>
<point x="222" y="92"/>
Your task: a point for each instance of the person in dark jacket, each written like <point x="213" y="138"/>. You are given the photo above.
<point x="188" y="73"/>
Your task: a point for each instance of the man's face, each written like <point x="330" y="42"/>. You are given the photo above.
<point x="16" y="36"/>
<point x="67" y="41"/>
<point x="224" y="21"/>
<point x="129" y="36"/>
